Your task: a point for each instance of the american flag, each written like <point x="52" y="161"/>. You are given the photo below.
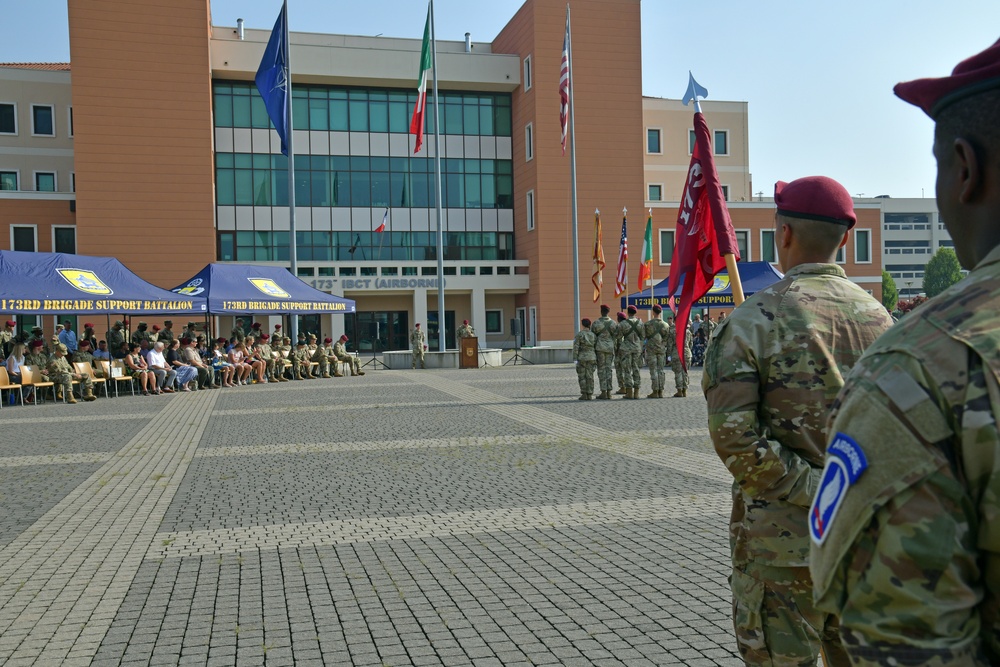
<point x="564" y="87"/>
<point x="621" y="278"/>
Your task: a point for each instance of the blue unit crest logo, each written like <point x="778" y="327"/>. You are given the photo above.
<point x="85" y="281"/>
<point x="720" y="284"/>
<point x="193" y="288"/>
<point x="269" y="287"/>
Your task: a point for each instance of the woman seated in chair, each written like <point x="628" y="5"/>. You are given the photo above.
<point x="136" y="367"/>
<point x="185" y="372"/>
<point x="13" y="364"/>
<point x="221" y="364"/>
<point x="238" y="358"/>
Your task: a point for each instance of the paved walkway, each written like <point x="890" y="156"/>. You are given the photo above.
<point x="399" y="518"/>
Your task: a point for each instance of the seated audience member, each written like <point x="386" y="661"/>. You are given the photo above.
<point x="340" y="352"/>
<point x="13" y="362"/>
<point x="102" y="351"/>
<point x="121" y="352"/>
<point x="185" y="372"/>
<point x="84" y="355"/>
<point x="266" y="354"/>
<point x="37" y="359"/>
<point x="319" y="355"/>
<point x="238" y="358"/>
<point x="136" y="367"/>
<point x="255" y="359"/>
<point x="165" y="375"/>
<point x="190" y="355"/>
<point x="220" y="363"/>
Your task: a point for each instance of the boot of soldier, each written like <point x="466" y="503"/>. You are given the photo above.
<point x="590" y="397"/>
<point x="338" y="374"/>
<point x="603" y="396"/>
<point x="622" y="390"/>
<point x="653" y="394"/>
<point x="70" y="398"/>
<point x="678" y="394"/>
<point x="582" y="397"/>
<point x="684" y="392"/>
<point x="659" y="393"/>
<point x="88" y="395"/>
<point x="59" y="393"/>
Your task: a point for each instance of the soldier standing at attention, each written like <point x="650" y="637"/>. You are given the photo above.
<point x="681" y="380"/>
<point x="770" y="378"/>
<point x="190" y="331"/>
<point x="466" y="330"/>
<point x="141" y="334"/>
<point x="906" y="539"/>
<point x="709" y="326"/>
<point x="631" y="332"/>
<point x="418" y="345"/>
<point x="604" y="329"/>
<point x="585" y="357"/>
<point x="7" y="338"/>
<point x="619" y="359"/>
<point x="657" y="339"/>
<point x="238" y="334"/>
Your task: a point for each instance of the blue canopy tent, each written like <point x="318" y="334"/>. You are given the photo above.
<point x="754" y="275"/>
<point x="49" y="283"/>
<point x="248" y="288"/>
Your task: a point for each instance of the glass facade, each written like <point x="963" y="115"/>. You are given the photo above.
<point x="340" y="167"/>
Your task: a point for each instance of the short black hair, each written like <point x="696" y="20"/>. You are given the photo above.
<point x="973" y="119"/>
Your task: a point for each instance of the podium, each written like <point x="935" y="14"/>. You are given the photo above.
<point x="468" y="353"/>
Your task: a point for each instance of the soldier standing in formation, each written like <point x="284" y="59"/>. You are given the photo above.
<point x="466" y="330"/>
<point x="619" y="355"/>
<point x="63" y="375"/>
<point x="681" y="380"/>
<point x="418" y="343"/>
<point x="585" y="357"/>
<point x="657" y="339"/>
<point x="770" y="379"/>
<point x="906" y="541"/>
<point x="604" y="329"/>
<point x="631" y="332"/>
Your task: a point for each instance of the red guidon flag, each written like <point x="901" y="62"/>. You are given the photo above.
<point x="417" y="122"/>
<point x="704" y="231"/>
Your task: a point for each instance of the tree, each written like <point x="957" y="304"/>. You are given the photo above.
<point x="941" y="272"/>
<point x="890" y="295"/>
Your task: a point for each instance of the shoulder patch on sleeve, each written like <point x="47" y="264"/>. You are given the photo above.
<point x="845" y="462"/>
<point x="914" y="401"/>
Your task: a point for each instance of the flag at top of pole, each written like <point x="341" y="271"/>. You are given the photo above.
<point x="704" y="234"/>
<point x="564" y="87"/>
<point x="646" y="268"/>
<point x="417" y="122"/>
<point x="621" y="277"/>
<point x="272" y="78"/>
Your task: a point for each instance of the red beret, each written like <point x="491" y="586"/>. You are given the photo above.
<point x="344" y="338"/>
<point x="632" y="309"/>
<point x="156" y="327"/>
<point x="465" y="321"/>
<point x="327" y="340"/>
<point x="586" y="322"/>
<point x="621" y="315"/>
<point x="815" y="198"/>
<point x="255" y="325"/>
<point x="11" y="323"/>
<point x="88" y="325"/>
<point x="605" y="308"/>
<point x="84" y="343"/>
<point x="277" y="326"/>
<point x="657" y="308"/>
<point x="37" y="343"/>
<point x="973" y="75"/>
<point x="263" y="336"/>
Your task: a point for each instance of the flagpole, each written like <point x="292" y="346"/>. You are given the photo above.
<point x="292" y="249"/>
<point x="572" y="158"/>
<point x="652" y="283"/>
<point x="437" y="187"/>
<point x="381" y="237"/>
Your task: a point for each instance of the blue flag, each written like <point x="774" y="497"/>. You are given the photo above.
<point x="271" y="79"/>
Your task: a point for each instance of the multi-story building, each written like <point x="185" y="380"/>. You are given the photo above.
<point x="912" y="231"/>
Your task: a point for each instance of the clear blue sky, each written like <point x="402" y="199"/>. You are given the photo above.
<point x="818" y="76"/>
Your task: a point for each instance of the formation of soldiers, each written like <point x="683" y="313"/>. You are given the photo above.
<point x="623" y="345"/>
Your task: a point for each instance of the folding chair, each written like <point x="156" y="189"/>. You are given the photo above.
<point x="83" y="368"/>
<point x="115" y="370"/>
<point x="5" y="383"/>
<point x="33" y="378"/>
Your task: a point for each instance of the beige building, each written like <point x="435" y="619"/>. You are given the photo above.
<point x="668" y="136"/>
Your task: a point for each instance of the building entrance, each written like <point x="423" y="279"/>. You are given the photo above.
<point x="378" y="331"/>
<point x="432" y="330"/>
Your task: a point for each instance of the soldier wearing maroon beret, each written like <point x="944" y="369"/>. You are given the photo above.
<point x="770" y="378"/>
<point x="619" y="361"/>
<point x="908" y="551"/>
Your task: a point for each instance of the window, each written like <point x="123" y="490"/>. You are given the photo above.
<point x="530" y="202"/>
<point x="743" y="243"/>
<point x="527" y="73"/>
<point x="768" y="251"/>
<point x="71" y="121"/>
<point x="72" y="180"/>
<point x="42" y="121"/>
<point x="8" y="180"/>
<point x="8" y="118"/>
<point x="494" y="321"/>
<point x="666" y="246"/>
<point x="529" y="143"/>
<point x="45" y="181"/>
<point x="64" y="240"/>
<point x="722" y="142"/>
<point x="24" y="238"/>
<point x="725" y="192"/>
<point x="655" y="193"/>
<point x="840" y="255"/>
<point x="862" y="246"/>
<point x="653" y="143"/>
<point x="691" y="139"/>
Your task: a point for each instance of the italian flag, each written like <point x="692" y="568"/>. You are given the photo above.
<point x="417" y="122"/>
<point x="646" y="268"/>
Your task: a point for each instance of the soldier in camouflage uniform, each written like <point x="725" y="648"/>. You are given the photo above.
<point x="300" y="362"/>
<point x="619" y="358"/>
<point x="115" y="337"/>
<point x="340" y="353"/>
<point x="63" y="375"/>
<point x="906" y="551"/>
<point x="775" y="369"/>
<point x="631" y="332"/>
<point x="681" y="380"/>
<point x="142" y="334"/>
<point x="85" y="355"/>
<point x="657" y="339"/>
<point x="417" y="344"/>
<point x="282" y="345"/>
<point x="266" y="354"/>
<point x="585" y="356"/>
<point x="37" y="359"/>
<point x="37" y="335"/>
<point x="166" y="334"/>
<point x="605" y="329"/>
<point x="318" y="354"/>
<point x="466" y="330"/>
<point x="709" y="326"/>
<point x="238" y="335"/>
<point x="7" y="338"/>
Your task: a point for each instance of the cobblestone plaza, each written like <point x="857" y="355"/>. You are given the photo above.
<point x="400" y="518"/>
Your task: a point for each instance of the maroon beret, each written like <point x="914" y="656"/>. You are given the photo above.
<point x="344" y="338"/>
<point x="586" y="322"/>
<point x="632" y="309"/>
<point x="465" y="321"/>
<point x="973" y="75"/>
<point x="657" y="308"/>
<point x="622" y="316"/>
<point x="37" y="343"/>
<point x="84" y="343"/>
<point x="263" y="336"/>
<point x="185" y="341"/>
<point x="815" y="198"/>
<point x="88" y="325"/>
<point x="11" y="323"/>
<point x="605" y="308"/>
<point x="255" y="325"/>
<point x="277" y="326"/>
<point x="156" y="327"/>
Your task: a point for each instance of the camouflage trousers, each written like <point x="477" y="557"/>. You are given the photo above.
<point x="66" y="380"/>
<point x="630" y="369"/>
<point x="604" y="372"/>
<point x="324" y="366"/>
<point x="620" y="369"/>
<point x="585" y="374"/>
<point x="352" y="363"/>
<point x="418" y="353"/>
<point x="656" y="361"/>
<point x="776" y="622"/>
<point x="681" y="380"/>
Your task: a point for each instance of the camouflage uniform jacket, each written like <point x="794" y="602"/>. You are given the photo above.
<point x="58" y="369"/>
<point x="85" y="357"/>
<point x="417" y="339"/>
<point x="317" y="353"/>
<point x="115" y="339"/>
<point x="770" y="378"/>
<point x="339" y="351"/>
<point x="631" y="332"/>
<point x="914" y="548"/>
<point x="264" y="351"/>
<point x="39" y="362"/>
<point x="165" y="336"/>
<point x="657" y="339"/>
<point x="238" y="334"/>
<point x="709" y="327"/>
<point x="466" y="331"/>
<point x="606" y="331"/>
<point x="583" y="346"/>
<point x="139" y="335"/>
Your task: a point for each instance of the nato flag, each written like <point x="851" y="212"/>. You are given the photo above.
<point x="271" y="79"/>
